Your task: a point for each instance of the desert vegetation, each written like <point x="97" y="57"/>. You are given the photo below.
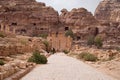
<point x="37" y="58"/>
<point x="69" y="33"/>
<point x="87" y="56"/>
<point x="2" y="35"/>
<point x="97" y="41"/>
<point x="43" y="35"/>
<point x="66" y="51"/>
<point x="2" y="62"/>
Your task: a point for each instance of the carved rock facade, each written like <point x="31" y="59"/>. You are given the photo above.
<point x="27" y="17"/>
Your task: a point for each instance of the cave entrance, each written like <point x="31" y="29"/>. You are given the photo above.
<point x="66" y="28"/>
<point x="96" y="31"/>
<point x="78" y="38"/>
<point x="23" y="31"/>
<point x="57" y="34"/>
<point x="15" y="24"/>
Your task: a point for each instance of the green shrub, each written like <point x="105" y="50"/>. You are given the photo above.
<point x="87" y="56"/>
<point x="69" y="33"/>
<point x="118" y="49"/>
<point x="23" y="42"/>
<point x="2" y="35"/>
<point x="38" y="58"/>
<point x="90" y="41"/>
<point x="98" y="42"/>
<point x="81" y="55"/>
<point x="1" y="62"/>
<point x="66" y="51"/>
<point x="47" y="46"/>
<point x="43" y="35"/>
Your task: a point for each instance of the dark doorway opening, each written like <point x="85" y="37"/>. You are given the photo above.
<point x="66" y="28"/>
<point x="14" y="24"/>
<point x="56" y="34"/>
<point x="0" y="27"/>
<point x="78" y="38"/>
<point x="34" y="24"/>
<point x="23" y="31"/>
<point x="96" y="31"/>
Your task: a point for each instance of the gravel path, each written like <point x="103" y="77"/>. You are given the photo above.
<point x="62" y="67"/>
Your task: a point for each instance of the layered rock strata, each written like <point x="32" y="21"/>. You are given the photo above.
<point x="27" y="17"/>
<point x="77" y="18"/>
<point x="108" y="11"/>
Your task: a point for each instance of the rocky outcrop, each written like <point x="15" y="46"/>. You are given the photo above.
<point x="19" y="45"/>
<point x="108" y="10"/>
<point x="27" y="17"/>
<point x="77" y="18"/>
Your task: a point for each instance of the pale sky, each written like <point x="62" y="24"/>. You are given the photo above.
<point x="90" y="5"/>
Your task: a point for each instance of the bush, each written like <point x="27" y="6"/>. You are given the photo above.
<point x="81" y="55"/>
<point x="2" y="35"/>
<point x="87" y="56"/>
<point x="65" y="51"/>
<point x="1" y="62"/>
<point x="118" y="49"/>
<point x="23" y="42"/>
<point x="38" y="58"/>
<point x="98" y="42"/>
<point x="90" y="41"/>
<point x="43" y="35"/>
<point x="69" y="33"/>
<point x="47" y="46"/>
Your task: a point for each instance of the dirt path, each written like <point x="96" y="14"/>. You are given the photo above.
<point x="62" y="67"/>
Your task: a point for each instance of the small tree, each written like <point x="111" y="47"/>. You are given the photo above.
<point x="46" y="43"/>
<point x="90" y="41"/>
<point x="98" y="42"/>
<point x="69" y="33"/>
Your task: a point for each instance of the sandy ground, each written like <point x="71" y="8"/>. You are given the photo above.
<point x="62" y="67"/>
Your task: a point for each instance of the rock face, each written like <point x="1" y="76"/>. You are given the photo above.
<point x="27" y="17"/>
<point x="19" y="45"/>
<point x="108" y="10"/>
<point x="77" y="18"/>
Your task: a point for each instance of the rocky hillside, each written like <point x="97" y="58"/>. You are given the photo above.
<point x="77" y="18"/>
<point x="27" y="17"/>
<point x="20" y="45"/>
<point x="108" y="10"/>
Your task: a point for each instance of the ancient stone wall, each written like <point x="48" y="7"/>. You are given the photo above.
<point x="59" y="41"/>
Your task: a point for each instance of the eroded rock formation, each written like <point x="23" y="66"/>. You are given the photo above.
<point x="108" y="10"/>
<point x="27" y="17"/>
<point x="77" y="18"/>
<point x="20" y="45"/>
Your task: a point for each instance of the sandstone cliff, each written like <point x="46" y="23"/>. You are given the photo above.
<point x="77" y="18"/>
<point x="27" y="17"/>
<point x="108" y="10"/>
